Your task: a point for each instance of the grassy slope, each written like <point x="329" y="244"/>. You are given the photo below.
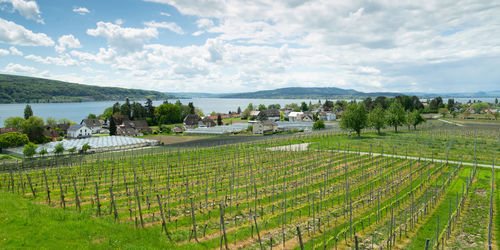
<point x="28" y="225"/>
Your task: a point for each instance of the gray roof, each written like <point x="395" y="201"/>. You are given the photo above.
<point x="271" y="112"/>
<point x="91" y="122"/>
<point x="76" y="127"/>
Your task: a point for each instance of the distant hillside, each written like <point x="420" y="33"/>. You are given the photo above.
<point x="306" y="93"/>
<point x="21" y="89"/>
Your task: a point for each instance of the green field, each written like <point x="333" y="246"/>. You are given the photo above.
<point x="336" y="191"/>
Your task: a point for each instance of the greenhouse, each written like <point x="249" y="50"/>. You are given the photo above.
<point x="103" y="143"/>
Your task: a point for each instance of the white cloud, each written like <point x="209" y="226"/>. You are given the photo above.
<point x="164" y="25"/>
<point x="15" y="51"/>
<point x="62" y="60"/>
<point x="67" y="41"/>
<point x="27" y="9"/>
<point x="81" y="10"/>
<point x="123" y="39"/>
<point x="164" y="14"/>
<point x="368" y="70"/>
<point x="12" y="33"/>
<point x="4" y="52"/>
<point x="14" y="68"/>
<point x="204" y="23"/>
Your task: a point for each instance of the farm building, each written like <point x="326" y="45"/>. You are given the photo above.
<point x="94" y="124"/>
<point x="191" y="121"/>
<point x="78" y="131"/>
<point x="265" y="127"/>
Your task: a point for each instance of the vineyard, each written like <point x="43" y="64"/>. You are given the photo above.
<point x="414" y="190"/>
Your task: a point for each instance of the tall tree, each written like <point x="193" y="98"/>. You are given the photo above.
<point x="112" y="126"/>
<point x="168" y="113"/>
<point x="415" y="118"/>
<point x="33" y="128"/>
<point x="354" y="117"/>
<point x="239" y="110"/>
<point x="150" y="109"/>
<point x="14" y="122"/>
<point x="219" y="120"/>
<point x="377" y="118"/>
<point x="191" y="108"/>
<point x="28" y="112"/>
<point x="304" y="106"/>
<point x="126" y="109"/>
<point x="396" y="115"/>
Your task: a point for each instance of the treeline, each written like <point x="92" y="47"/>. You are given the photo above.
<point x="383" y="112"/>
<point x="22" y="89"/>
<point x="166" y="113"/>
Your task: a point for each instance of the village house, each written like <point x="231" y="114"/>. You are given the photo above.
<point x="133" y="128"/>
<point x="191" y="121"/>
<point x="254" y="113"/>
<point x="207" y="122"/>
<point x="53" y="134"/>
<point x="264" y="127"/>
<point x="327" y="116"/>
<point x="271" y="114"/>
<point x="177" y="130"/>
<point x="94" y="124"/>
<point x="305" y="117"/>
<point x="78" y="131"/>
<point x="7" y="130"/>
<point x="293" y="116"/>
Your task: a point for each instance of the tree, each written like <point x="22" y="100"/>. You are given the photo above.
<point x="496" y="115"/>
<point x="43" y="152"/>
<point x="63" y="121"/>
<point x="30" y="149"/>
<point x="14" y="122"/>
<point x="33" y="127"/>
<point x="112" y="126"/>
<point x="451" y="103"/>
<point x="304" y="106"/>
<point x="168" y="113"/>
<point x="443" y="112"/>
<point x="239" y="110"/>
<point x="150" y="109"/>
<point x="396" y="115"/>
<point x="262" y="107"/>
<point x="86" y="147"/>
<point x="191" y="108"/>
<point x="91" y="116"/>
<point x="59" y="148"/>
<point x="496" y="101"/>
<point x="126" y="109"/>
<point x="466" y="114"/>
<point x="415" y="118"/>
<point x="219" y="120"/>
<point x="435" y="104"/>
<point x="51" y="122"/>
<point x="319" y="124"/>
<point x="72" y="150"/>
<point x="377" y="118"/>
<point x="368" y="103"/>
<point x="13" y="139"/>
<point x="274" y="106"/>
<point x="354" y="117"/>
<point x="28" y="112"/>
<point x="478" y="106"/>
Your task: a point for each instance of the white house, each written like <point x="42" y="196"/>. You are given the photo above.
<point x="94" y="124"/>
<point x="79" y="131"/>
<point x="294" y="115"/>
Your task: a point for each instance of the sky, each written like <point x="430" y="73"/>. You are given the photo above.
<point x="221" y="46"/>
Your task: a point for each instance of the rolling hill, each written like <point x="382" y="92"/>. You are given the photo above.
<point x="22" y="89"/>
<point x="306" y="93"/>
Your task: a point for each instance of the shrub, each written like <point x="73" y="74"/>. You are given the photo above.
<point x="30" y="149"/>
<point x="13" y="139"/>
<point x="319" y="124"/>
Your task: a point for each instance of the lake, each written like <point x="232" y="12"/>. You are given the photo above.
<point x="79" y="110"/>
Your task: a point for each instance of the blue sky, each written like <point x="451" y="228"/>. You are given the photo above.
<point x="238" y="45"/>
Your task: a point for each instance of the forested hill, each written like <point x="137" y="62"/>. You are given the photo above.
<point x="306" y="93"/>
<point x="21" y="89"/>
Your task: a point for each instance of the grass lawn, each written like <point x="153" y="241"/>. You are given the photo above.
<point x="24" y="224"/>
